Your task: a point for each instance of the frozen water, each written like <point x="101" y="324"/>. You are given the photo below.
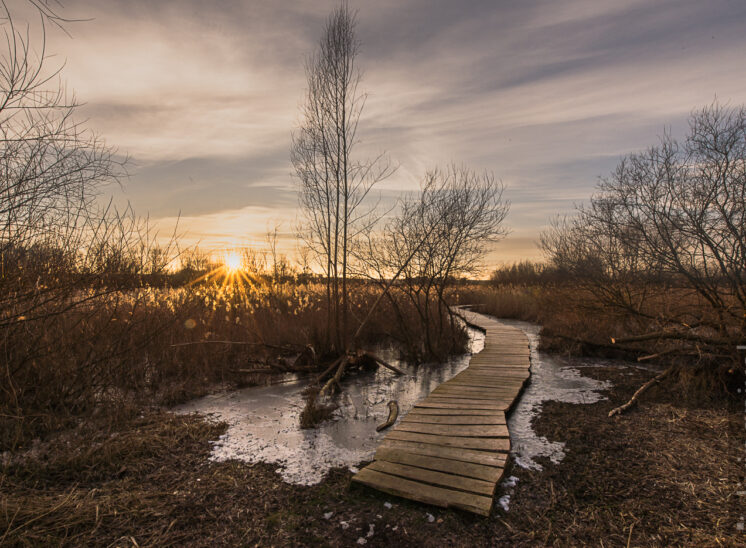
<point x="263" y="422"/>
<point x="552" y="378"/>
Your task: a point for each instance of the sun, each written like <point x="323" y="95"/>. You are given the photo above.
<point x="232" y="262"/>
<point x="229" y="270"/>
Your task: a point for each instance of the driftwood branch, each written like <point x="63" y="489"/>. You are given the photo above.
<point x="640" y="391"/>
<point x="656" y="355"/>
<point x="329" y="369"/>
<point x="337" y="376"/>
<point x="393" y="414"/>
<point x="669" y="335"/>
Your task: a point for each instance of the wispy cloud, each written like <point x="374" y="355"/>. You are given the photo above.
<point x="547" y="95"/>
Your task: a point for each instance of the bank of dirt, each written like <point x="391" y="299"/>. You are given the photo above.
<point x="663" y="474"/>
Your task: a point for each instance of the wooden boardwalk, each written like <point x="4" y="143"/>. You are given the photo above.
<point x="450" y="450"/>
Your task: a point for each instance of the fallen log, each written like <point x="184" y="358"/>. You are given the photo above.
<point x="337" y="376"/>
<point x="328" y="370"/>
<point x="393" y="414"/>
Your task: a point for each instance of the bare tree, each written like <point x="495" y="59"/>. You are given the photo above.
<point x="61" y="249"/>
<point x="52" y="167"/>
<point x="669" y="220"/>
<point x="333" y="185"/>
<point x="440" y="234"/>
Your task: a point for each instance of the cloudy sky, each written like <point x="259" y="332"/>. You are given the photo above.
<point x="548" y="95"/>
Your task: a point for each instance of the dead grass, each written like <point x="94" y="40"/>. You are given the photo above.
<point x="315" y="411"/>
<point x="664" y="474"/>
<point x="162" y="346"/>
<point x="575" y="322"/>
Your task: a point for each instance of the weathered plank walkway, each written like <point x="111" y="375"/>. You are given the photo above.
<point x="450" y="450"/>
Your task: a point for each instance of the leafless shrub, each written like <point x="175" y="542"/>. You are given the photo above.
<point x="669" y="220"/>
<point x="439" y="235"/>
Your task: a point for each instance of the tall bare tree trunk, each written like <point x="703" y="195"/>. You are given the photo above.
<point x="323" y="146"/>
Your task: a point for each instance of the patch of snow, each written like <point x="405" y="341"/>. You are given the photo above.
<point x="505" y="502"/>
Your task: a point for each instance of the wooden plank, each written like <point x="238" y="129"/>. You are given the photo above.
<point x="514" y="360"/>
<point x="467" y="469"/>
<point x="473" y="431"/>
<point x="498" y="379"/>
<point x="507" y="353"/>
<point x="473" y="398"/>
<point x="458" y="454"/>
<point x="457" y="411"/>
<point x="433" y="477"/>
<point x="519" y="366"/>
<point x="497" y="373"/>
<point x="467" y="385"/>
<point x="475" y="390"/>
<point x="498" y="376"/>
<point x="514" y="384"/>
<point x="465" y="389"/>
<point x="487" y="369"/>
<point x="472" y="395"/>
<point x="452" y="419"/>
<point x="461" y="404"/>
<point x="496" y="405"/>
<point x="486" y="382"/>
<point x="519" y="359"/>
<point x="485" y="444"/>
<point x="499" y="348"/>
<point x="437" y="496"/>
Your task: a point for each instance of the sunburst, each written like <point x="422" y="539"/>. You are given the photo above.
<point x="232" y="262"/>
<point x="230" y="271"/>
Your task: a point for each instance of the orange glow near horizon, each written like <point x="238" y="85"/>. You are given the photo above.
<point x="230" y="271"/>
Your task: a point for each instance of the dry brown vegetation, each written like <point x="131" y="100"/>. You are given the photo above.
<point x="162" y="345"/>
<point x="146" y="480"/>
<point x="576" y="321"/>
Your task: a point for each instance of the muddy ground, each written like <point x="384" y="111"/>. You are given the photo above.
<point x="664" y="474"/>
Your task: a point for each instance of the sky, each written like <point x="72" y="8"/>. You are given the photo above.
<point x="547" y="95"/>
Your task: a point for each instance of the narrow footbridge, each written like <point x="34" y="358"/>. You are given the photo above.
<point x="451" y="449"/>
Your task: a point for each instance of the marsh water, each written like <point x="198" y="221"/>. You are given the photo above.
<point x="263" y="422"/>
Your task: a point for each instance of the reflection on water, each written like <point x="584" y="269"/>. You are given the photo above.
<point x="263" y="421"/>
